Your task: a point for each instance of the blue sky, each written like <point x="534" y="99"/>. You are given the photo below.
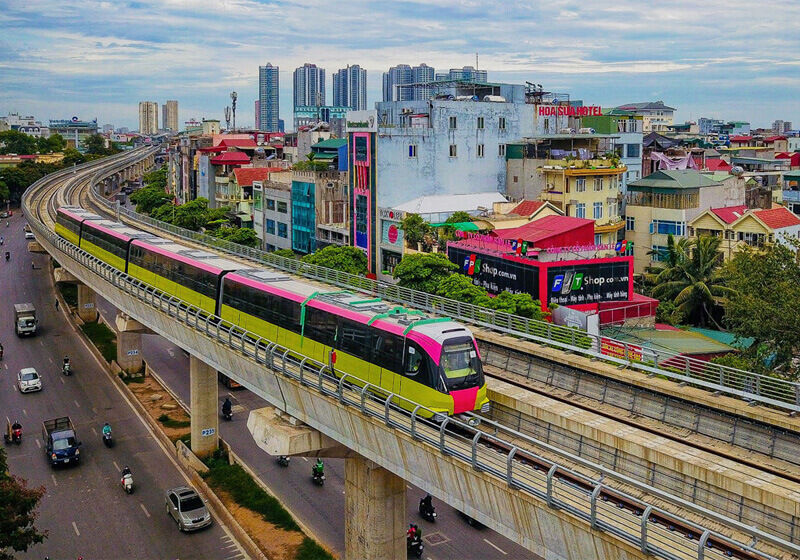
<point x="728" y="59"/>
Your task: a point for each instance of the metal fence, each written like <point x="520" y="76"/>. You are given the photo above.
<point x="493" y="449"/>
<point x="745" y="385"/>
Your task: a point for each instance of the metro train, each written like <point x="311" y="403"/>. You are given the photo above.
<point x="431" y="361"/>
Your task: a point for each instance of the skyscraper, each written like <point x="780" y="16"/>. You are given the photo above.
<point x="170" y="118"/>
<point x="350" y="88"/>
<point x="468" y="74"/>
<point x="258" y="116"/>
<point x="268" y="100"/>
<point x="422" y="73"/>
<point x="148" y="117"/>
<point x="397" y="76"/>
<point x="309" y="86"/>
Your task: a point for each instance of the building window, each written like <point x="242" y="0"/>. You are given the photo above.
<point x="452" y="123"/>
<point x="580" y="210"/>
<point x="453" y="149"/>
<point x="480" y="150"/>
<point x="667" y="227"/>
<point x="271" y="227"/>
<point x="501" y="150"/>
<point x="281" y="207"/>
<point x="659" y="253"/>
<point x="598" y="238"/>
<point x="283" y="231"/>
<point x="480" y="122"/>
<point x="516" y="179"/>
<point x="270" y="204"/>
<point x="546" y="126"/>
<point x="612" y="209"/>
<point x="580" y="185"/>
<point x="630" y="223"/>
<point x="632" y="150"/>
<point x="412" y="150"/>
<point x="597" y="210"/>
<point x="501" y="123"/>
<point x="598" y="184"/>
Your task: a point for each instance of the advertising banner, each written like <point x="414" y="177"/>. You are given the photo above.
<point x="616" y="349"/>
<point x="588" y="283"/>
<point x="494" y="273"/>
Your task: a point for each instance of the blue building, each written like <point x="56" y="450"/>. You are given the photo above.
<point x="303" y="217"/>
<point x="333" y="150"/>
<point x="268" y="100"/>
<point x="350" y="88"/>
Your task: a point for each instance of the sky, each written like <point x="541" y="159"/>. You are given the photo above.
<point x="731" y="59"/>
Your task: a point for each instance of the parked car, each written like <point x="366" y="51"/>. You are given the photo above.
<point x="28" y="380"/>
<point x="3" y="214"/>
<point x="187" y="508"/>
<point x="29" y="235"/>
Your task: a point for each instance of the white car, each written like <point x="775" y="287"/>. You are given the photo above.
<point x="29" y="235"/>
<point x="28" y="380"/>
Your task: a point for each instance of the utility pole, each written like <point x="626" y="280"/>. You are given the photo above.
<point x="234" y="95"/>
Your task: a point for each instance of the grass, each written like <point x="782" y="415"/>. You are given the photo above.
<point x="128" y="379"/>
<point x="103" y="338"/>
<point x="170" y="423"/>
<point x="186" y="439"/>
<point x="310" y="550"/>
<point x="70" y="293"/>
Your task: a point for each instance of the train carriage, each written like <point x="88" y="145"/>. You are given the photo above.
<point x="69" y="220"/>
<point x="109" y="241"/>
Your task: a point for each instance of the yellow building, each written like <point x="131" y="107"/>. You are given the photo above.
<point x="664" y="202"/>
<point x="738" y="227"/>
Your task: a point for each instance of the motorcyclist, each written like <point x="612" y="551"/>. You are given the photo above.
<point x="106" y="429"/>
<point x="318" y="468"/>
<point x="226" y="407"/>
<point x="125" y="471"/>
<point x="427" y="503"/>
<point x="8" y="255"/>
<point x="16" y="426"/>
<point x="1" y="350"/>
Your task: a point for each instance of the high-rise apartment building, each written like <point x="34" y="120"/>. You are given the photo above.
<point x="148" y="117"/>
<point x="258" y="115"/>
<point x="350" y="88"/>
<point x="309" y="86"/>
<point x="780" y="126"/>
<point x="395" y="80"/>
<point x="170" y="117"/>
<point x="468" y="74"/>
<point x="268" y="99"/>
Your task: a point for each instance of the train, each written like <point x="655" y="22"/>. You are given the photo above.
<point x="432" y="361"/>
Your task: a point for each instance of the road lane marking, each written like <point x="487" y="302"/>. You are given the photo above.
<point x="408" y="486"/>
<point x="38" y="445"/>
<point x="41" y="342"/>
<point x="74" y="526"/>
<point x="76" y="404"/>
<point x="144" y="509"/>
<point x="24" y="412"/>
<point x="171" y="352"/>
<point x="5" y="365"/>
<point x="305" y="459"/>
<point x="55" y="482"/>
<point x="94" y="431"/>
<point x="62" y="380"/>
<point x="51" y="360"/>
<point x="497" y="548"/>
<point x="116" y="466"/>
<point x="15" y="387"/>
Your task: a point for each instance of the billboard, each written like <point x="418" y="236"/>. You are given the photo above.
<point x="494" y="273"/>
<point x="588" y="282"/>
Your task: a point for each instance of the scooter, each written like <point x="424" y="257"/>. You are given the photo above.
<point x="8" y="255"/>
<point x="66" y="369"/>
<point x="107" y="439"/>
<point x="227" y="415"/>
<point x="414" y="545"/>
<point x="427" y="513"/>
<point x="283" y="460"/>
<point x="317" y="478"/>
<point x="127" y="483"/>
<point x="13" y="433"/>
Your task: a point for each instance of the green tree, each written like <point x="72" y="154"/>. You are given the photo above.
<point x="16" y="142"/>
<point x="149" y="198"/>
<point x="242" y="236"/>
<point x="415" y="229"/>
<point x="458" y="217"/>
<point x="157" y="178"/>
<point x="18" y="505"/>
<point x="518" y="304"/>
<point x="54" y="143"/>
<point x="692" y="281"/>
<point x="766" y="304"/>
<point x="193" y="215"/>
<point x="424" y="271"/>
<point x="95" y="144"/>
<point x="286" y="253"/>
<point x="5" y="193"/>
<point x="345" y="258"/>
<point x="461" y="288"/>
<point x="72" y="157"/>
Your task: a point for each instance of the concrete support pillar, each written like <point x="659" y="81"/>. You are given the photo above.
<point x="203" y="402"/>
<point x="375" y="512"/>
<point x="129" y="351"/>
<point x="87" y="306"/>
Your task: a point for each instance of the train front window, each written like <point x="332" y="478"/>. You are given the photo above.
<point x="460" y="364"/>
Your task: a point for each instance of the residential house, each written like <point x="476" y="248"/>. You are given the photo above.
<point x="656" y="116"/>
<point x="628" y="129"/>
<point x="272" y="214"/>
<point x="664" y="202"/>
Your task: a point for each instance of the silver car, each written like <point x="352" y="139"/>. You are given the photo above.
<point x="187" y="508"/>
<point x="28" y="380"/>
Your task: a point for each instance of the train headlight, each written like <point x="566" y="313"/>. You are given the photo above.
<point x="486" y="407"/>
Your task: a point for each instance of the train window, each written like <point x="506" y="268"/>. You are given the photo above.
<point x="320" y="326"/>
<point x="460" y="363"/>
<point x="414" y="359"/>
<point x="354" y="339"/>
<point x="388" y="351"/>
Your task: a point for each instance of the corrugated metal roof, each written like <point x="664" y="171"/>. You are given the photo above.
<point x="678" y="341"/>
<point x="331" y="143"/>
<point x="674" y="179"/>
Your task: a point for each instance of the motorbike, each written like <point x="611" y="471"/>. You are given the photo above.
<point x="66" y="369"/>
<point x="13" y="433"/>
<point x="1" y="352"/>
<point x="317" y="477"/>
<point x="283" y="460"/>
<point x="8" y="255"/>
<point x="414" y="545"/>
<point x="428" y="513"/>
<point x="107" y="439"/>
<point x="127" y="483"/>
<point x="227" y="415"/>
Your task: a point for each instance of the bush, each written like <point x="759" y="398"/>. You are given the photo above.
<point x="70" y="294"/>
<point x="103" y="338"/>
<point x="170" y="423"/>
<point x="310" y="550"/>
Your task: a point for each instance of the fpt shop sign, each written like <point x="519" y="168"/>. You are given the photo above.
<point x="589" y="283"/>
<point x="495" y="274"/>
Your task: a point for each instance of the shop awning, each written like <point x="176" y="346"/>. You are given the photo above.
<point x="462" y="226"/>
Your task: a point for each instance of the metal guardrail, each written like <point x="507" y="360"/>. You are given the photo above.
<point x="648" y="527"/>
<point x="748" y="386"/>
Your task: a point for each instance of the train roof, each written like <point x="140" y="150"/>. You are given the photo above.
<point x="196" y="257"/>
<point x="118" y="230"/>
<point x="352" y="304"/>
<point x="78" y="213"/>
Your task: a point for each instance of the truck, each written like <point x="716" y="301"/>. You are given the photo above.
<point x="25" y="321"/>
<point x="61" y="445"/>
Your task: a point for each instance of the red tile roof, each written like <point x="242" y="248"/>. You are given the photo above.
<point x="777" y="218"/>
<point x="246" y="175"/>
<point x="212" y="149"/>
<point x="527" y="207"/>
<point x="543" y="228"/>
<point x="238" y="143"/>
<point x="771" y="139"/>
<point x="740" y="138"/>
<point x="231" y="158"/>
<point x="717" y="164"/>
<point x="730" y="214"/>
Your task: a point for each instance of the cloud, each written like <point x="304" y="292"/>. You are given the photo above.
<point x="110" y="55"/>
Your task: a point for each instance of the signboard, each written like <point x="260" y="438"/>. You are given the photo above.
<point x="588" y="283"/>
<point x="132" y="352"/>
<point x="494" y="273"/>
<point x="89" y="305"/>
<point x="361" y="121"/>
<point x="616" y="349"/>
<point x="570" y="111"/>
<point x="208" y="432"/>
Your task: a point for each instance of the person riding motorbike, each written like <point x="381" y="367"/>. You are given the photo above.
<point x="66" y="367"/>
<point x="106" y="429"/>
<point x="226" y="407"/>
<point x="412" y="531"/>
<point x="1" y="351"/>
<point x="318" y="468"/>
<point x="427" y="503"/>
<point x="126" y="470"/>
<point x="8" y="255"/>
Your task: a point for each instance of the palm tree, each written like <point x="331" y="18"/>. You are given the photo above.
<point x="691" y="279"/>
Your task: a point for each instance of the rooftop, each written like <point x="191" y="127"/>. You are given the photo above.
<point x="246" y="175"/>
<point x="645" y="105"/>
<point x="730" y="214"/>
<point x="740" y="138"/>
<point x="777" y="218"/>
<point x="442" y="204"/>
<point x="527" y="207"/>
<point x="674" y="179"/>
<point x="331" y="143"/>
<point x="717" y="164"/>
<point x="231" y="158"/>
<point x="675" y="340"/>
<point x="544" y="228"/>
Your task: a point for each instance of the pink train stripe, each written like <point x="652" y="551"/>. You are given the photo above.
<point x="111" y="232"/>
<point x="464" y="400"/>
<point x="181" y="258"/>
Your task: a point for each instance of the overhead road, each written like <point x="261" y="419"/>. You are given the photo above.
<point x="494" y="474"/>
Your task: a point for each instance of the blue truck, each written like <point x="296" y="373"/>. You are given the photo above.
<point x="61" y="445"/>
